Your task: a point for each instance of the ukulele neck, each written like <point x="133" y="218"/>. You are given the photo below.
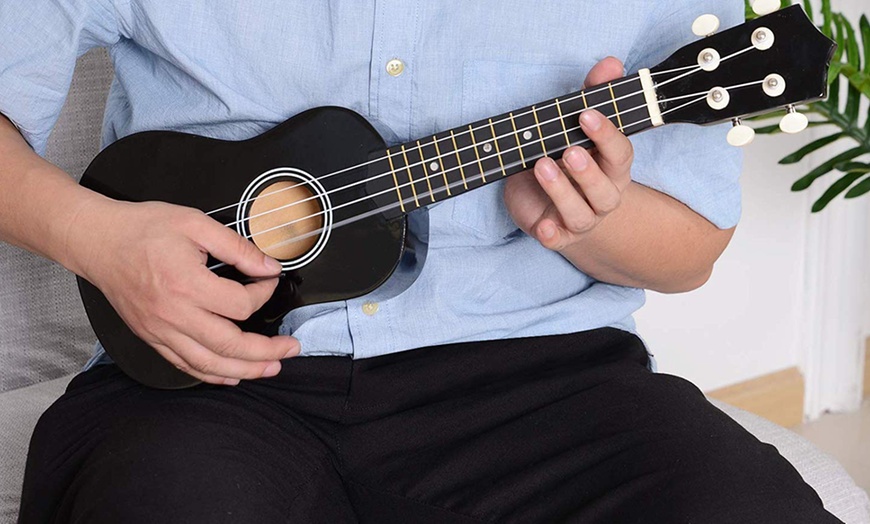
<point x="459" y="160"/>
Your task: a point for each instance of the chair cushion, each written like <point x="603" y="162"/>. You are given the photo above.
<point x="838" y="491"/>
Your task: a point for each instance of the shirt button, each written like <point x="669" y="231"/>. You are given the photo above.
<point x="370" y="308"/>
<point x="395" y="67"/>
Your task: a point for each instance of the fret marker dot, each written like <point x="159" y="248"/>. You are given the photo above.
<point x="487" y="148"/>
<point x="433" y="166"/>
<point x="527" y="135"/>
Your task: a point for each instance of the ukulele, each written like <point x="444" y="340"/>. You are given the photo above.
<point x="336" y="217"/>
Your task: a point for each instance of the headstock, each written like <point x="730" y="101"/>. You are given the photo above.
<point x="773" y="62"/>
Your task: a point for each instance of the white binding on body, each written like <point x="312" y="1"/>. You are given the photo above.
<point x="652" y="100"/>
<point x="276" y="175"/>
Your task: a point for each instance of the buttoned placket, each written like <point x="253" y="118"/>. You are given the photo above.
<point x="391" y="97"/>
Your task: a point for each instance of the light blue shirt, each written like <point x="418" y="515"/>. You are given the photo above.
<point x="233" y="69"/>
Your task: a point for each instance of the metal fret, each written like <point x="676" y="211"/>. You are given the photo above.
<point x="497" y="149"/>
<point x="425" y="170"/>
<point x="459" y="159"/>
<point x="562" y="119"/>
<point x="441" y="163"/>
<point x="395" y="180"/>
<point x="519" y="145"/>
<point x="477" y="154"/>
<point x="583" y="96"/>
<point x="615" y="107"/>
<point x="540" y="133"/>
<point x="410" y="176"/>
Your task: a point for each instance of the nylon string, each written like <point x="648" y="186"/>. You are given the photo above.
<point x="693" y="69"/>
<point x="462" y="133"/>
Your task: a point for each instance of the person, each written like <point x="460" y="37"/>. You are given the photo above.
<point x="506" y="384"/>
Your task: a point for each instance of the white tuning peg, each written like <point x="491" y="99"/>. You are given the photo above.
<point x="765" y="7"/>
<point x="740" y="135"/>
<point x="794" y="122"/>
<point x="705" y="25"/>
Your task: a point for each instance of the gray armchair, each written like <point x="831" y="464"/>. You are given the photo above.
<point x="45" y="337"/>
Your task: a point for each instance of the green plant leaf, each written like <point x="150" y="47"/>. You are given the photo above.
<point x="834" y="72"/>
<point x="833" y="101"/>
<point x="825" y="168"/>
<point x="864" y="26"/>
<point x="853" y="105"/>
<point x="854" y="166"/>
<point x="808" y="7"/>
<point x="768" y="130"/>
<point x="827" y="17"/>
<point x="853" y="55"/>
<point x="857" y="78"/>
<point x="835" y="190"/>
<point x="859" y="189"/>
<point x="814" y="146"/>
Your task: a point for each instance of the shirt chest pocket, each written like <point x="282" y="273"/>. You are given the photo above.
<point x="489" y="88"/>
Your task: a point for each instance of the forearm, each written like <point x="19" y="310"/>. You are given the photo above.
<point x="651" y="241"/>
<point x="39" y="202"/>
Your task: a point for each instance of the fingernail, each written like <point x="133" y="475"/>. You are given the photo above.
<point x="272" y="369"/>
<point x="272" y="265"/>
<point x="590" y="120"/>
<point x="548" y="230"/>
<point x="231" y="382"/>
<point x="294" y="350"/>
<point x="549" y="170"/>
<point x="576" y="160"/>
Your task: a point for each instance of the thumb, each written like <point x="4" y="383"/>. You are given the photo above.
<point x="231" y="248"/>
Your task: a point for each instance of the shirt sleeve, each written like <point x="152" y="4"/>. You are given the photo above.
<point x="693" y="164"/>
<point x="40" y="41"/>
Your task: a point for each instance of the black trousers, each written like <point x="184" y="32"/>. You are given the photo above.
<point x="570" y="428"/>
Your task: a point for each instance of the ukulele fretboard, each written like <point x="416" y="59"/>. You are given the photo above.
<point x="459" y="160"/>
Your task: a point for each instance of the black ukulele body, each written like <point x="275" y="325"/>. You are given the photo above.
<point x="336" y="263"/>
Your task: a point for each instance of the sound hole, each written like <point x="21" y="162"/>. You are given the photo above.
<point x="281" y="218"/>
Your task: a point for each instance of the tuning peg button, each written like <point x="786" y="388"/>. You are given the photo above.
<point x="706" y="25"/>
<point x="740" y="135"/>
<point x="794" y="122"/>
<point x="765" y="7"/>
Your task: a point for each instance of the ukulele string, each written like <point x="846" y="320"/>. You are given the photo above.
<point x="475" y="177"/>
<point x="437" y="140"/>
<point x="373" y="212"/>
<point x="367" y="214"/>
<point x="694" y="69"/>
<point x="430" y="159"/>
<point x="460" y="167"/>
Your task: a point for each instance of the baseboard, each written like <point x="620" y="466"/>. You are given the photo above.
<point x="778" y="397"/>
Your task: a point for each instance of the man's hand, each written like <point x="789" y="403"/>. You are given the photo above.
<point x="558" y="204"/>
<point x="587" y="208"/>
<point x="149" y="260"/>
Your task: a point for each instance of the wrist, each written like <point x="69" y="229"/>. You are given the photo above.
<point x="81" y="232"/>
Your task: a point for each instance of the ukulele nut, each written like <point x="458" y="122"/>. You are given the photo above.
<point x="763" y="39"/>
<point x="709" y="59"/>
